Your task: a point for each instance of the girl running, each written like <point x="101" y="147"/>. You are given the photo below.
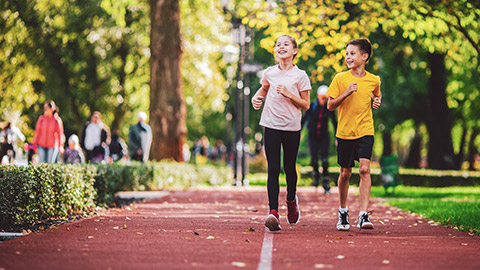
<point x="286" y="90"/>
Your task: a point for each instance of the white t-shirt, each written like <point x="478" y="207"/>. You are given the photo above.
<point x="93" y="136"/>
<point x="279" y="112"/>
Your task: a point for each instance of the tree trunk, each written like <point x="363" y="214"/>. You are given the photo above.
<point x="414" y="154"/>
<point x="472" y="150"/>
<point x="167" y="106"/>
<point x="440" y="149"/>
<point x="387" y="143"/>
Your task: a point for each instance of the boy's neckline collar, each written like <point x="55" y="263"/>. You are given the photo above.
<point x="365" y="74"/>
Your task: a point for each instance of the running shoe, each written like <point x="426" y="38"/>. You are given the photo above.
<point x="293" y="212"/>
<point x="273" y="221"/>
<point x="364" y="222"/>
<point x="342" y="224"/>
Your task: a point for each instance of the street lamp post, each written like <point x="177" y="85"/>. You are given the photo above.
<point x="242" y="38"/>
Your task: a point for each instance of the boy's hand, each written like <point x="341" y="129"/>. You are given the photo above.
<point x="257" y="102"/>
<point x="376" y="103"/>
<point x="282" y="90"/>
<point x="351" y="88"/>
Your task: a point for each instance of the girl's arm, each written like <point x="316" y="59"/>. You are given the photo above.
<point x="259" y="96"/>
<point x="302" y="102"/>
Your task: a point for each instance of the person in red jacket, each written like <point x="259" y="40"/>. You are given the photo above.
<point x="49" y="138"/>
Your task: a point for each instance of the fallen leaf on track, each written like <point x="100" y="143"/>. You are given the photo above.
<point x="321" y="266"/>
<point x="250" y="229"/>
<point x="239" y="264"/>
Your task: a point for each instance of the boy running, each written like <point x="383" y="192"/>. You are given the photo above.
<point x="352" y="91"/>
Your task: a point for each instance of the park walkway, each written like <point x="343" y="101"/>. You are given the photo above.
<point x="222" y="228"/>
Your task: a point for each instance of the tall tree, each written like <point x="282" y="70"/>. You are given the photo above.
<point x="167" y="106"/>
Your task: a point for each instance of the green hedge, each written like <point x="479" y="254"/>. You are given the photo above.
<point x="33" y="193"/>
<point x="38" y="192"/>
<point x="411" y="177"/>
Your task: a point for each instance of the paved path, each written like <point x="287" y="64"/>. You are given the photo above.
<point x="222" y="228"/>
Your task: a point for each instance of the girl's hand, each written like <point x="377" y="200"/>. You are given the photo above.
<point x="282" y="90"/>
<point x="257" y="102"/>
<point x="376" y="102"/>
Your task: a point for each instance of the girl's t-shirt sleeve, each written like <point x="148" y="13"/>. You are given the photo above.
<point x="304" y="83"/>
<point x="264" y="80"/>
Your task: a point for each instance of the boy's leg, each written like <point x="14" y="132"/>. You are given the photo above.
<point x="364" y="154"/>
<point x="343" y="185"/>
<point x="365" y="183"/>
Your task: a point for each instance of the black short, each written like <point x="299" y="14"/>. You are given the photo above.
<point x="350" y="150"/>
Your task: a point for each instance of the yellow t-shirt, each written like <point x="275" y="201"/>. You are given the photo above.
<point x="355" y="118"/>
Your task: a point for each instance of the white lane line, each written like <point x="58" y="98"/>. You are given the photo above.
<point x="266" y="255"/>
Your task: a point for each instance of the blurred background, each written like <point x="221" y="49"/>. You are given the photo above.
<point x="193" y="65"/>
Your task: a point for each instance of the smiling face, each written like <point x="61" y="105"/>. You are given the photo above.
<point x="285" y="48"/>
<point x="355" y="57"/>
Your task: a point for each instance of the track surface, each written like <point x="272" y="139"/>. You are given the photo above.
<point x="222" y="228"/>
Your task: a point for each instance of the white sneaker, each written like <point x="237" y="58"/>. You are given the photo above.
<point x="342" y="224"/>
<point x="364" y="222"/>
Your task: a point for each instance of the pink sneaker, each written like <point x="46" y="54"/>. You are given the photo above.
<point x="293" y="212"/>
<point x="273" y="221"/>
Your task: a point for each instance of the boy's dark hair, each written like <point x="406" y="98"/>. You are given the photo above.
<point x="364" y="45"/>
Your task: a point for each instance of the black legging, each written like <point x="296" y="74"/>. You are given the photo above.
<point x="290" y="141"/>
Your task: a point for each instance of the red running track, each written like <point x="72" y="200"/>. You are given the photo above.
<point x="222" y="228"/>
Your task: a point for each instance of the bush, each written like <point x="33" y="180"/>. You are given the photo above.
<point x="111" y="178"/>
<point x="38" y="192"/>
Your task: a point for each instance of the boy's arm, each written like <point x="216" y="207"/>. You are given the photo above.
<point x="377" y="101"/>
<point x="333" y="103"/>
<point x="259" y="96"/>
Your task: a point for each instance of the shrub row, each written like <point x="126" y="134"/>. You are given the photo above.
<point x="38" y="192"/>
<point x="33" y="193"/>
<point x="412" y="177"/>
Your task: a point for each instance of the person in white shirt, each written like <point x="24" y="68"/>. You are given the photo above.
<point x="95" y="138"/>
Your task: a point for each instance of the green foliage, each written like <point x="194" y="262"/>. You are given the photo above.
<point x="37" y="192"/>
<point x="455" y="192"/>
<point x="116" y="177"/>
<point x="458" y="207"/>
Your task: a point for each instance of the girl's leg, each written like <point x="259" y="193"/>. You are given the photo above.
<point x="272" y="150"/>
<point x="290" y="141"/>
